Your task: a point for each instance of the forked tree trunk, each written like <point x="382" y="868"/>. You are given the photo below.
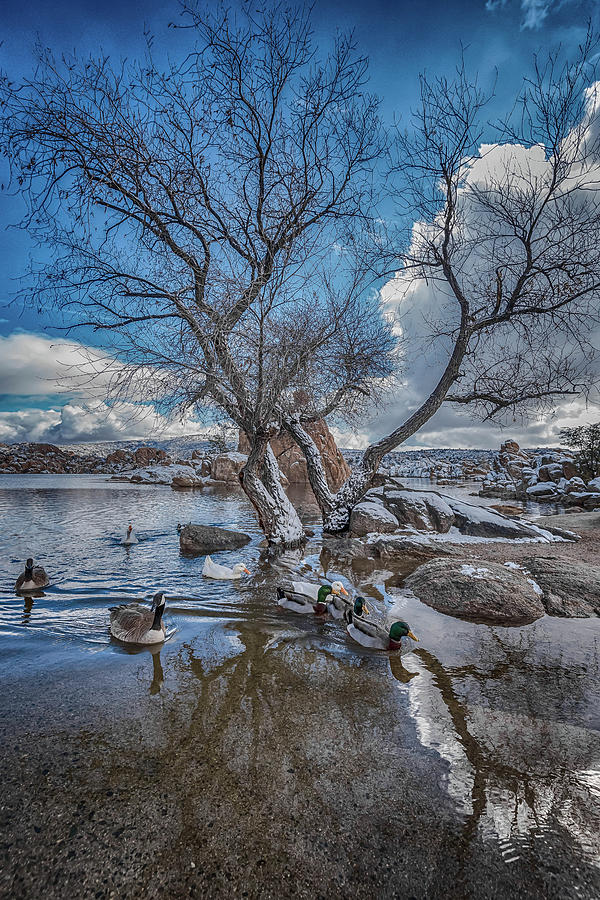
<point x="261" y="481"/>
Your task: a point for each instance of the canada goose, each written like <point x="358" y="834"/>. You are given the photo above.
<point x="32" y="579"/>
<point x="134" y="623"/>
<point x="130" y="537"/>
<point x="306" y="597"/>
<point x="212" y="569"/>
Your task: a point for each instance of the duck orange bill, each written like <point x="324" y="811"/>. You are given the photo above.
<point x="247" y="571"/>
<point x="343" y="590"/>
<point x="411" y="635"/>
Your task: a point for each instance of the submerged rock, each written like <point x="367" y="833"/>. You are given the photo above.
<point x="569" y="588"/>
<point x="210" y="539"/>
<point x="480" y="591"/>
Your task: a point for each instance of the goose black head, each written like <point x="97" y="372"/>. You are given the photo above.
<point x="28" y="564"/>
<point x="158" y="605"/>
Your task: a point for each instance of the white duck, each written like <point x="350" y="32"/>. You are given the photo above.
<point x="212" y="569"/>
<point x="134" y="623"/>
<point x="130" y="537"/>
<point x="306" y="597"/>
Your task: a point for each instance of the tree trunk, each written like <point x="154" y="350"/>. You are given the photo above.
<point x="261" y="481"/>
<point x="336" y="508"/>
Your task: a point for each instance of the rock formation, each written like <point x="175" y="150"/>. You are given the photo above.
<point x="291" y="459"/>
<point x="483" y="592"/>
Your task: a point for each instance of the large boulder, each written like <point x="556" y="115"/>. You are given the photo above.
<point x="291" y="459"/>
<point x="147" y="456"/>
<point x="426" y="506"/>
<point x="409" y="508"/>
<point x="480" y="591"/>
<point x="481" y="521"/>
<point x="569" y="588"/>
<point x="227" y="466"/>
<point x="210" y="539"/>
<point x="371" y="516"/>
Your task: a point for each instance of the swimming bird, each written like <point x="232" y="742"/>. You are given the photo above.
<point x="135" y="623"/>
<point x="32" y="579"/>
<point x="339" y="606"/>
<point x="369" y="634"/>
<point x="356" y="609"/>
<point x="305" y="597"/>
<point x="130" y="537"/>
<point x="212" y="569"/>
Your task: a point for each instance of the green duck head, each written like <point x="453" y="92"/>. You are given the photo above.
<point x="360" y="607"/>
<point x="400" y="630"/>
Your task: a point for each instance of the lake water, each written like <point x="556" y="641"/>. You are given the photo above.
<point x="263" y="752"/>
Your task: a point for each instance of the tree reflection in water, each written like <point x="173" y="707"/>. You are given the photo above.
<point x="517" y="766"/>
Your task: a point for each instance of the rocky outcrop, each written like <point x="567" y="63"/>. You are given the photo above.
<point x="569" y="588"/>
<point x="198" y="539"/>
<point x="370" y="516"/>
<point x="392" y="509"/>
<point x="178" y="476"/>
<point x="227" y="466"/>
<point x="481" y="592"/>
<point x="43" y="459"/>
<point x="545" y="477"/>
<point x="291" y="459"/>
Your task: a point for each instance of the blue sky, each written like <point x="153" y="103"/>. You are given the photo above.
<point x="400" y="39"/>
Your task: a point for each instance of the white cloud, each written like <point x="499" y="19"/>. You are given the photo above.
<point x="83" y="423"/>
<point x="34" y="365"/>
<point x="417" y="304"/>
<point x="535" y="12"/>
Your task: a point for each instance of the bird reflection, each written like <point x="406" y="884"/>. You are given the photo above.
<point x="158" y="675"/>
<point x="398" y="671"/>
<point x="27" y="607"/>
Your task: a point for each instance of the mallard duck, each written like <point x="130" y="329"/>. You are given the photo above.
<point x="32" y="579"/>
<point x="340" y="607"/>
<point x="130" y="537"/>
<point x="212" y="569"/>
<point x="135" y="623"/>
<point x="305" y="597"/>
<point x="357" y="609"/>
<point x="369" y="634"/>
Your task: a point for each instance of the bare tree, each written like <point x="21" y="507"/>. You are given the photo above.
<point x="507" y="239"/>
<point x="206" y="220"/>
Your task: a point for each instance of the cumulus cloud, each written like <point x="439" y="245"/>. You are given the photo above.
<point x="35" y="365"/>
<point x="85" y="423"/>
<point x="416" y="304"/>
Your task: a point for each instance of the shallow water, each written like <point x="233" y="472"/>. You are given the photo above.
<point x="262" y="751"/>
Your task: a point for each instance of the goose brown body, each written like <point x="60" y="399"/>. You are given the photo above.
<point x="135" y="623"/>
<point x="32" y="579"/>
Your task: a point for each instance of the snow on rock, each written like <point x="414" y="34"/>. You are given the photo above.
<point x="426" y="510"/>
<point x="164" y="475"/>
<point x="542" y="489"/>
<point x="369" y="516"/>
<point x="479" y="521"/>
<point x="490" y="593"/>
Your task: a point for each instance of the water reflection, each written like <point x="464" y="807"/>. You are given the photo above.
<point x="515" y="760"/>
<point x="285" y="734"/>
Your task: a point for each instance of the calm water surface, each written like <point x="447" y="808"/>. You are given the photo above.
<point x="262" y="751"/>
